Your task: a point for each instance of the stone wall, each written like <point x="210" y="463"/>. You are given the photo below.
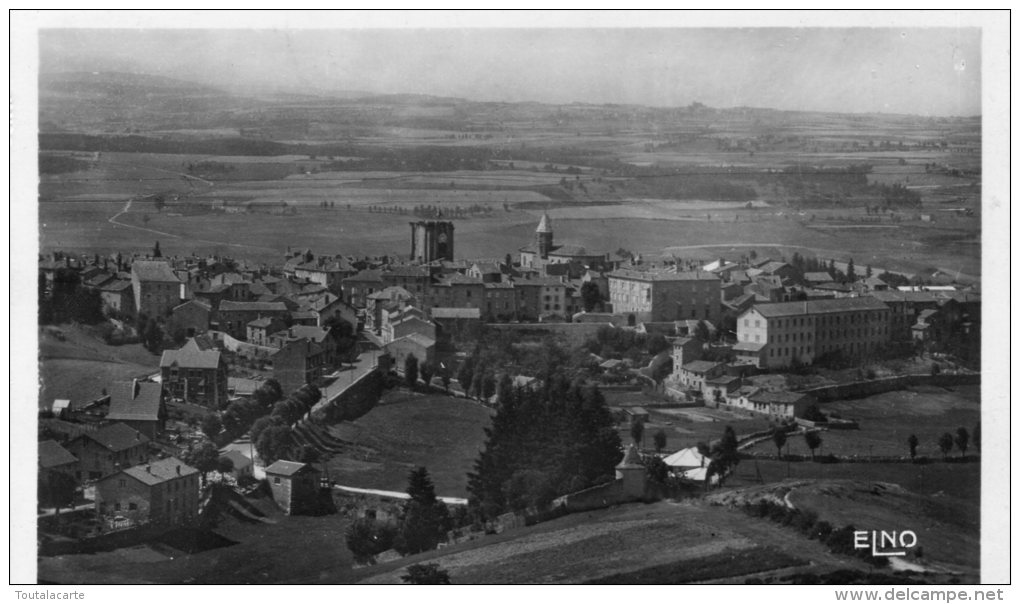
<point x="356" y="400"/>
<point x="861" y="389"/>
<point x="572" y="334"/>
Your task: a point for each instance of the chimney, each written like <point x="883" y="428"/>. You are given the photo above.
<point x="178" y="470"/>
<point x="135" y="388"/>
<point x="148" y="469"/>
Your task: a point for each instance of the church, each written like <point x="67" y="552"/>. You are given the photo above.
<point x="544" y="252"/>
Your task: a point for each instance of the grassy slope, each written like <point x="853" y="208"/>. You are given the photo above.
<point x="80" y="366"/>
<point x="443" y="434"/>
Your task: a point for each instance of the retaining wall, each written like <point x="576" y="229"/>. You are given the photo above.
<point x="356" y="400"/>
<point x="836" y="392"/>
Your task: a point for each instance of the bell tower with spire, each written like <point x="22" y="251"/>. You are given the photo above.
<point x="544" y="237"/>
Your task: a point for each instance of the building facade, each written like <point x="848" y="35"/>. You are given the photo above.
<point x="162" y="492"/>
<point x="157" y="290"/>
<point x="431" y="240"/>
<point x="195" y="374"/>
<point x="665" y="295"/>
<point x="789" y="333"/>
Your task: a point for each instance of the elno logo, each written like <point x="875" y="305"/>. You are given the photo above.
<point x="885" y="543"/>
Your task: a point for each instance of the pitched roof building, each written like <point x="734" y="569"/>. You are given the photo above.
<point x="139" y="405"/>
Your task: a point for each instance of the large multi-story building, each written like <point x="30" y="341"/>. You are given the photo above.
<point x="788" y="333"/>
<point x="160" y="492"/>
<point x="195" y="374"/>
<point x="156" y="288"/>
<point x="665" y="295"/>
<point x="541" y="297"/>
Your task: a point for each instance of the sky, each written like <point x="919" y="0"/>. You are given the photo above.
<point x="915" y="70"/>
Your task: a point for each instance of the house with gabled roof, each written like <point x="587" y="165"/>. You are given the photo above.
<point x="195" y="373"/>
<point x="164" y="492"/>
<point x="694" y="374"/>
<point x="421" y="346"/>
<point x="55" y="459"/>
<point x="107" y="450"/>
<point x="139" y="405"/>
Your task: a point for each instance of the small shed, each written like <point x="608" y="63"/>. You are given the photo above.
<point x="243" y="466"/>
<point x="636" y="414"/>
<point x="295" y="485"/>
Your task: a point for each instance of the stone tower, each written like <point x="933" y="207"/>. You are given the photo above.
<point x="544" y="237"/>
<point x="631" y="473"/>
<point x="431" y="240"/>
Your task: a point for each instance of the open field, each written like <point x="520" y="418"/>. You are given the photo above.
<point x="75" y="365"/>
<point x="639" y="541"/>
<point x="442" y="433"/>
<point x="83" y="226"/>
<point x="887" y="420"/>
<point x="263" y="553"/>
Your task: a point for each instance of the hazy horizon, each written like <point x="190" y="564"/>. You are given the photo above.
<point x="918" y="71"/>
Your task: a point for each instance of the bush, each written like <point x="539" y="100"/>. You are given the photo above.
<point x="426" y="574"/>
<point x="367" y="538"/>
<point x="821" y="531"/>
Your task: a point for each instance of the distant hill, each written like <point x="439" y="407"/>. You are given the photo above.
<point x="112" y="82"/>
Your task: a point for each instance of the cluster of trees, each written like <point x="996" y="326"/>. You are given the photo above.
<point x="421" y="525"/>
<point x="68" y="300"/>
<point x="543" y="444"/>
<point x="963" y="439"/>
<point x="499" y="355"/>
<point x="238" y="416"/>
<point x="271" y="433"/>
<point x="415" y="159"/>
<point x="612" y="343"/>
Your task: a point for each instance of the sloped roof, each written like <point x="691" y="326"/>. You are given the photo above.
<point x="748" y="346"/>
<point x="117" y="437"/>
<point x="125" y="405"/>
<point x="784" y="309"/>
<point x="456" y="313"/>
<point x="242" y="386"/>
<point x="393" y="292"/>
<point x="287" y="468"/>
<point x="116" y="285"/>
<point x="686" y="458"/>
<point x="459" y="279"/>
<point x="240" y="460"/>
<point x="233" y="305"/>
<point x="773" y="266"/>
<point x="191" y="355"/>
<point x="262" y="322"/>
<point x="160" y="471"/>
<point x="369" y="274"/>
<point x="700" y="366"/>
<point x="153" y="270"/>
<point x="544" y="225"/>
<point x="299" y="332"/>
<point x="777" y="396"/>
<point x="420" y="339"/>
<point x="194" y="302"/>
<point x="51" y="455"/>
<point x="625" y="273"/>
